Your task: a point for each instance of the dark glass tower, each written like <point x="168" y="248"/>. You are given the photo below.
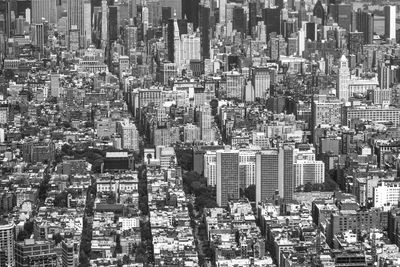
<point x="319" y="12"/>
<point x="190" y="10"/>
<point x="272" y="20"/>
<point x="252" y="16"/>
<point x="239" y="21"/>
<point x="204" y="20"/>
<point x="113" y="23"/>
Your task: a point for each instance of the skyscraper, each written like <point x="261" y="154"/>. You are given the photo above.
<point x="319" y="12"/>
<point x="261" y="82"/>
<point x="113" y="22"/>
<point x="239" y="19"/>
<point x="175" y="5"/>
<point x="75" y="17"/>
<point x="341" y="13"/>
<point x="206" y="123"/>
<point x="365" y="24"/>
<point x="272" y="21"/>
<point x="39" y="38"/>
<point x="129" y="135"/>
<point x="104" y="23"/>
<point x="390" y="22"/>
<point x="87" y="22"/>
<point x="204" y="20"/>
<point x="222" y="11"/>
<point x="311" y="31"/>
<point x="190" y="11"/>
<point x="274" y="172"/>
<point x="46" y="9"/>
<point x="302" y="15"/>
<point x="227" y="176"/>
<point x="342" y="85"/>
<point x="132" y="5"/>
<point x="7" y="240"/>
<point x="210" y="168"/>
<point x="252" y="16"/>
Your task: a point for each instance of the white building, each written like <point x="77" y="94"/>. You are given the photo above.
<point x="7" y="232"/>
<point x="129" y="135"/>
<point x="187" y="47"/>
<point x="210" y="167"/>
<point x="390" y="22"/>
<point x="247" y="168"/>
<point x="342" y="85"/>
<point x="129" y="223"/>
<point x="309" y="171"/>
<point x="387" y="195"/>
<point x="207" y="132"/>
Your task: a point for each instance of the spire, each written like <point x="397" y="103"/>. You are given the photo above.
<point x="176" y="27"/>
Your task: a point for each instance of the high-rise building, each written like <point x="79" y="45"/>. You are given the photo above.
<point x="104" y="23"/>
<point x="355" y="42"/>
<point x="210" y="168"/>
<point x="87" y="23"/>
<point x="384" y="75"/>
<point x="166" y="14"/>
<point x="39" y="38"/>
<point x="227" y="179"/>
<point x="325" y="111"/>
<point x="365" y="24"/>
<point x="234" y="85"/>
<point x="343" y="78"/>
<point x="204" y="20"/>
<point x="69" y="253"/>
<point x="44" y="9"/>
<point x="19" y="25"/>
<point x="190" y="11"/>
<point x="302" y="14"/>
<point x="113" y="22"/>
<point x="390" y="22"/>
<point x="129" y="135"/>
<point x="301" y="39"/>
<point x="132" y="5"/>
<point x="191" y="133"/>
<point x="7" y="240"/>
<point x="252" y="16"/>
<point x="247" y="168"/>
<point x="205" y="120"/>
<point x="55" y="85"/>
<point x="35" y="253"/>
<point x="272" y="21"/>
<point x="374" y="113"/>
<point x="175" y="29"/>
<point x="308" y="171"/>
<point x="239" y="19"/>
<point x="274" y="172"/>
<point x="311" y="31"/>
<point x="75" y="20"/>
<point x="131" y="37"/>
<point x="175" y="5"/>
<point x="341" y="13"/>
<point x="319" y="13"/>
<point x="261" y="80"/>
<point x="22" y="6"/>
<point x="222" y="11"/>
<point x="387" y="195"/>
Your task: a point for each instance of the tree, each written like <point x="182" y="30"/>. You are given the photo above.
<point x="61" y="200"/>
<point x="22" y="235"/>
<point x="140" y="253"/>
<point x="214" y="106"/>
<point x="308" y="187"/>
<point x="57" y="238"/>
<point x="250" y="193"/>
